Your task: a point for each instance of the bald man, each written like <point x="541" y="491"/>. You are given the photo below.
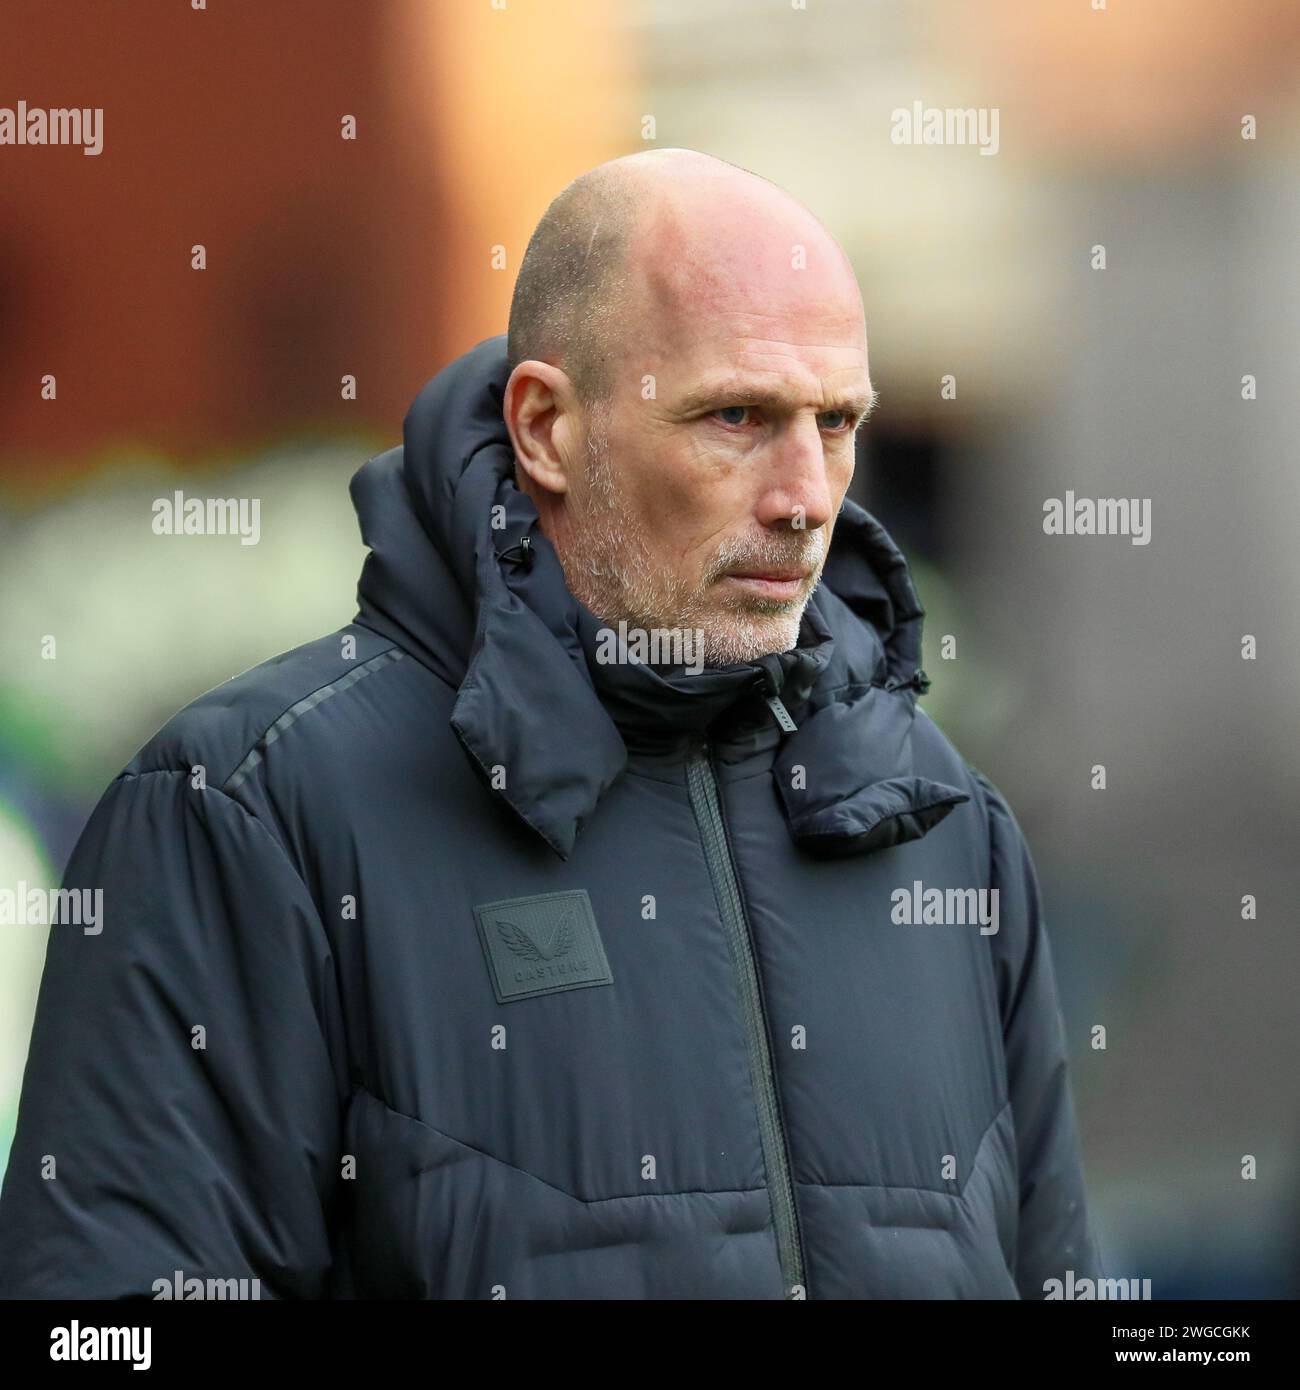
<point x="685" y="423"/>
<point x="596" y="915"/>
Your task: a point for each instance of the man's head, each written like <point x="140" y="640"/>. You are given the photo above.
<point x="688" y="368"/>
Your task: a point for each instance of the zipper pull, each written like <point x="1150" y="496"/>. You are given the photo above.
<point x="780" y="713"/>
<point x="772" y="699"/>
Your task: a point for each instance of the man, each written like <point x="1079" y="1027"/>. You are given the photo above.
<point x="596" y="915"/>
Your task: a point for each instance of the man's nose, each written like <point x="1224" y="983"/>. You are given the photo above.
<point x="798" y="489"/>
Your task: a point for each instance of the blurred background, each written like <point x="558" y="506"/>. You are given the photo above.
<point x="385" y="257"/>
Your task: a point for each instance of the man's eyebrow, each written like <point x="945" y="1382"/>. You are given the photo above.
<point x="739" y="391"/>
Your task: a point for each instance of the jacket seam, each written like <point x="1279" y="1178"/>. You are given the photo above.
<point x="411" y="649"/>
<point x="894" y="815"/>
<point x="958" y="1196"/>
<point x="302" y="706"/>
<point x="255" y="819"/>
<point x="281" y="853"/>
<point x="563" y="1191"/>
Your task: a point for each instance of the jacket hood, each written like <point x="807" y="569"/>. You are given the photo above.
<point x="460" y="575"/>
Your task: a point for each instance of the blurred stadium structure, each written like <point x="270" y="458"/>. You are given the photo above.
<point x="1119" y="127"/>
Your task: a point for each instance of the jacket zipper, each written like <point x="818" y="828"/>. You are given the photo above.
<point x="702" y="787"/>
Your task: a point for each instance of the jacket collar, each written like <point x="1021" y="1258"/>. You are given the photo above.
<point x="548" y="723"/>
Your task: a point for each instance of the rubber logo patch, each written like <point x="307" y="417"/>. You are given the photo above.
<point x="542" y="944"/>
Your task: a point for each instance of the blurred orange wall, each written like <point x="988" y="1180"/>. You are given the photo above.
<point x="325" y="256"/>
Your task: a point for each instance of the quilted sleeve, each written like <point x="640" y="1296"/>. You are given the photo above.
<point x="181" y="1102"/>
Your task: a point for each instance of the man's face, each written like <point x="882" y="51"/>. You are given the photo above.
<point x="716" y="470"/>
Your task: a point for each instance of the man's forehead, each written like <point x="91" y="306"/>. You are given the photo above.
<point x="757" y="287"/>
<point x="785" y="359"/>
<point x="769" y="308"/>
<point x="748" y="323"/>
<point x="723" y="244"/>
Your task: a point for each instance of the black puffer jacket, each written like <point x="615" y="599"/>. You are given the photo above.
<point x="441" y="960"/>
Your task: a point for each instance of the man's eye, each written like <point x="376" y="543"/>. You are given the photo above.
<point x="725" y="412"/>
<point x="834" y="420"/>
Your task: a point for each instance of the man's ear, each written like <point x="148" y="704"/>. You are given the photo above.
<point x="542" y="414"/>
